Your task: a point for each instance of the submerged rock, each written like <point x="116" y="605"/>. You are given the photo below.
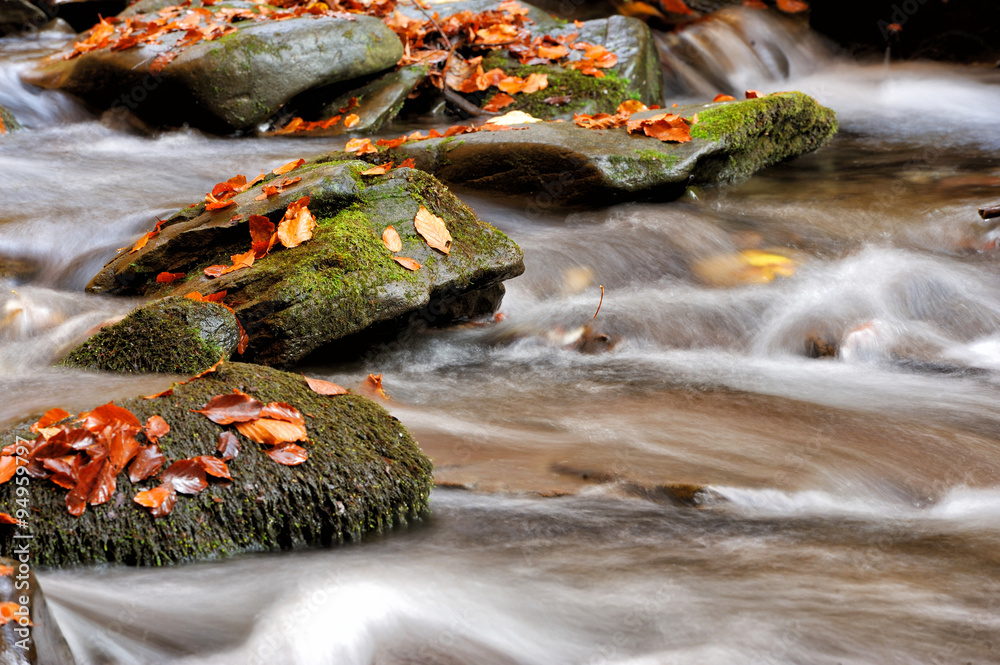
<point x="18" y="15"/>
<point x="364" y="474"/>
<point x="342" y="281"/>
<point x="232" y="83"/>
<point x="10" y="123"/>
<point x="41" y="641"/>
<point x="172" y="336"/>
<point x="560" y="163"/>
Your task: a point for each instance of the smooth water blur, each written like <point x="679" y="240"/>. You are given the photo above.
<point x="849" y="505"/>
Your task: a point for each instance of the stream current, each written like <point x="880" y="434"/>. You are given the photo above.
<point x="852" y="505"/>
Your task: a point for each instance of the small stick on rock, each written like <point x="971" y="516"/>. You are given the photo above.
<point x="989" y="212"/>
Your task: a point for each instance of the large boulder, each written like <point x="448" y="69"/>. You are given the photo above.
<point x="172" y="335"/>
<point x="342" y="281"/>
<point x="560" y="163"/>
<point x="364" y="473"/>
<point x="31" y="636"/>
<point x="231" y="83"/>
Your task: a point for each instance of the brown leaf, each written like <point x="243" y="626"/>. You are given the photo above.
<point x="263" y="235"/>
<point x="166" y="393"/>
<point x="186" y="476"/>
<point x="288" y="454"/>
<point x="322" y="387"/>
<point x="236" y="407"/>
<point x="213" y="466"/>
<point x="391" y="239"/>
<point x="433" y="230"/>
<point x="122" y="447"/>
<point x="297" y="225"/>
<point x="373" y="386"/>
<point x="282" y="411"/>
<point x="76" y="500"/>
<point x="104" y="486"/>
<point x="160" y="500"/>
<point x="290" y="166"/>
<point x="156" y="427"/>
<point x="229" y="445"/>
<point x="244" y="340"/>
<point x="498" y="101"/>
<point x="169" y="277"/>
<point x="147" y="462"/>
<point x="51" y="417"/>
<point x="108" y="414"/>
<point x="381" y="169"/>
<point x="406" y="262"/>
<point x="270" y="432"/>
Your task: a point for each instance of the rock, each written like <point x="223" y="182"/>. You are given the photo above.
<point x="343" y="280"/>
<point x="18" y="15"/>
<point x="560" y="163"/>
<point x="41" y="642"/>
<point x="364" y="474"/>
<point x="232" y="83"/>
<point x="83" y="14"/>
<point x="9" y="122"/>
<point x="446" y="8"/>
<point x="636" y="76"/>
<point x="172" y="336"/>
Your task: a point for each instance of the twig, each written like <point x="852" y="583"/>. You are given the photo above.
<point x="989" y="212"/>
<point x="430" y="17"/>
<point x="463" y="103"/>
<point x="600" y="303"/>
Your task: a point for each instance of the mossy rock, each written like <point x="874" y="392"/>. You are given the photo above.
<point x="10" y="123"/>
<point x="364" y="474"/>
<point x="173" y="336"/>
<point x="342" y="281"/>
<point x="232" y="83"/>
<point x="562" y="164"/>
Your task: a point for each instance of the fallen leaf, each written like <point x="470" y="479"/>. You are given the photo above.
<point x="270" y="432"/>
<point x="663" y="126"/>
<point x="792" y="6"/>
<point x="297" y="225"/>
<point x="265" y="192"/>
<point x="8" y="465"/>
<point x="235" y="407"/>
<point x="391" y="239"/>
<point x="497" y="102"/>
<point x="187" y="476"/>
<point x="51" y="417"/>
<point x="169" y="277"/>
<point x="160" y="500"/>
<point x="433" y="230"/>
<point x="754" y="94"/>
<point x="6" y="570"/>
<point x="675" y="7"/>
<point x="322" y="387"/>
<point x="213" y="466"/>
<point x="553" y="52"/>
<point x="282" y="411"/>
<point x="156" y="427"/>
<point x="229" y="445"/>
<point x="406" y="262"/>
<point x="381" y="169"/>
<point x="244" y="338"/>
<point x="97" y="419"/>
<point x="360" y="146"/>
<point x="148" y="462"/>
<point x="288" y="454"/>
<point x="140" y="244"/>
<point x="351" y="120"/>
<point x="263" y="235"/>
<point x="373" y="386"/>
<point x="7" y="518"/>
<point x="724" y="98"/>
<point x="290" y="166"/>
<point x="166" y="393"/>
<point x="408" y="163"/>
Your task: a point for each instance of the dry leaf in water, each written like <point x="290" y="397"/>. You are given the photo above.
<point x="391" y="239"/>
<point x="433" y="230"/>
<point x="372" y="385"/>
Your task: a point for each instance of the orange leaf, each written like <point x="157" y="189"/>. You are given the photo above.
<point x="282" y="411"/>
<point x="391" y="239"/>
<point x="244" y="340"/>
<point x="663" y="126"/>
<point x="229" y="445"/>
<point x="213" y="466"/>
<point x="147" y="463"/>
<point x="168" y="277"/>
<point x="724" y="98"/>
<point x="498" y="101"/>
<point x="219" y="205"/>
<point x="351" y="120"/>
<point x="8" y="613"/>
<point x="754" y="94"/>
<point x="406" y="262"/>
<point x="675" y="6"/>
<point x="297" y="225"/>
<point x="792" y="6"/>
<point x="233" y="408"/>
<point x="373" y="386"/>
<point x="288" y="182"/>
<point x="266" y="191"/>
<point x="6" y="570"/>
<point x="51" y="417"/>
<point x="754" y="4"/>
<point x="155" y="428"/>
<point x="8" y="465"/>
<point x="160" y="500"/>
<point x="433" y="230"/>
<point x="392" y="143"/>
<point x="187" y="476"/>
<point x="553" y="52"/>
<point x="262" y="235"/>
<point x="142" y="242"/>
<point x="161" y="61"/>
<point x="270" y="432"/>
<point x="378" y="170"/>
<point x="288" y="454"/>
<point x="535" y="82"/>
<point x="498" y="33"/>
<point x="630" y="106"/>
<point x="359" y="146"/>
<point x="408" y="163"/>
<point x="166" y="393"/>
<point x="7" y="518"/>
<point x="290" y="166"/>
<point x="322" y="387"/>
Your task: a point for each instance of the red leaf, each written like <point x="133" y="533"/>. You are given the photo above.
<point x="122" y="447"/>
<point x="282" y="411"/>
<point x="186" y="476"/>
<point x="322" y="387"/>
<point x="8" y="466"/>
<point x="213" y="466"/>
<point x="407" y="163"/>
<point x="160" y="500"/>
<point x="168" y="277"/>
<point x="7" y="518"/>
<point x="234" y="408"/>
<point x="51" y="417"/>
<point x="76" y="500"/>
<point x="229" y="445"/>
<point x="244" y="341"/>
<point x="104" y="486"/>
<point x="754" y="94"/>
<point x="108" y="414"/>
<point x="147" y="463"/>
<point x="155" y="428"/>
<point x="288" y="454"/>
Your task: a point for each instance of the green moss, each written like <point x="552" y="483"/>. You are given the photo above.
<point x="9" y="121"/>
<point x="177" y="336"/>
<point x="364" y="473"/>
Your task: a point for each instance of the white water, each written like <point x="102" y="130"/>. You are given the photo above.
<point x="856" y="499"/>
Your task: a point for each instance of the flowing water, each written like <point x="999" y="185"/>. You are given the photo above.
<point x="850" y="510"/>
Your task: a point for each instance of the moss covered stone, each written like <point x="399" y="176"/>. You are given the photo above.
<point x="9" y="121"/>
<point x="364" y="474"/>
<point x="173" y="335"/>
<point x="560" y="163"/>
<point x="232" y="83"/>
<point x="339" y="283"/>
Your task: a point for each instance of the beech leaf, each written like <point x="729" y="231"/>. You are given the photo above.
<point x="271" y="432"/>
<point x="187" y="476"/>
<point x="433" y="230"/>
<point x="156" y="427"/>
<point x="322" y="387"/>
<point x="288" y="454"/>
<point x="229" y="445"/>
<point x="290" y="166"/>
<point x="213" y="466"/>
<point x="297" y="225"/>
<point x="160" y="500"/>
<point x="147" y="462"/>
<point x="391" y="239"/>
<point x="406" y="262"/>
<point x="233" y="408"/>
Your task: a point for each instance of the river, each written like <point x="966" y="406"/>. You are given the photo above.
<point x="851" y="506"/>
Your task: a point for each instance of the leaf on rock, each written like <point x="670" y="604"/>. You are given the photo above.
<point x="263" y="235"/>
<point x="663" y="126"/>
<point x="381" y="169"/>
<point x="754" y="94"/>
<point x="266" y="191"/>
<point x="282" y="411"/>
<point x="792" y="6"/>
<point x="51" y="417"/>
<point x="269" y="431"/>
<point x="351" y="120"/>
<point x="160" y="500"/>
<point x="724" y="98"/>
<point x="433" y="230"/>
<point x="408" y="163"/>
<point x="406" y="262"/>
<point x="229" y="445"/>
<point x="213" y="466"/>
<point x="104" y="485"/>
<point x="187" y="476"/>
<point x="7" y="518"/>
<point x="141" y="242"/>
<point x="236" y="407"/>
<point x="360" y="146"/>
<point x="97" y="419"/>
<point x="497" y="102"/>
<point x="290" y="166"/>
<point x="322" y="387"/>
<point x="553" y="52"/>
<point x="8" y="466"/>
<point x="675" y="7"/>
<point x="169" y="277"/>
<point x="391" y="239"/>
<point x="156" y="427"/>
<point x="147" y="462"/>
<point x="288" y="454"/>
<point x="297" y="225"/>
